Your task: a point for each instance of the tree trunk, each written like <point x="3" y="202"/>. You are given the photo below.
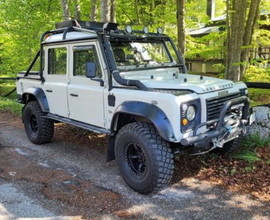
<point x="65" y="9"/>
<point x="113" y="11"/>
<point x="105" y="7"/>
<point x="253" y="15"/>
<point x="181" y="40"/>
<point x="236" y="29"/>
<point x="93" y="10"/>
<point x="138" y="20"/>
<point x="77" y="10"/>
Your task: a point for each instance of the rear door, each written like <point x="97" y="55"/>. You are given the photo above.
<point x="85" y="96"/>
<point x="56" y="79"/>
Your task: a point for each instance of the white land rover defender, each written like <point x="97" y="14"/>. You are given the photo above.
<point x="134" y="87"/>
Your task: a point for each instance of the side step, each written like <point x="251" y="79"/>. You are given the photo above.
<point x="79" y="124"/>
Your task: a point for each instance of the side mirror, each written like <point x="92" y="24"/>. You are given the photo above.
<point x="90" y="70"/>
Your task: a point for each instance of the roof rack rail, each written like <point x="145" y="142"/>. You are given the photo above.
<point x="95" y="26"/>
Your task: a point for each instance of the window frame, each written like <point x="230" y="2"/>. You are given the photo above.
<point x="85" y="48"/>
<point x="49" y="61"/>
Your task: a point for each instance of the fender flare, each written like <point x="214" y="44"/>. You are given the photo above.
<point x="40" y="96"/>
<point x="150" y="112"/>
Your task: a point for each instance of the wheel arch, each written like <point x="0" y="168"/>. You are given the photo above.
<point x="149" y="112"/>
<point x="131" y="111"/>
<point x="35" y="93"/>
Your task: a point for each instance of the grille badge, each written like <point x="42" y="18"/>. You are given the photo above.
<point x="223" y="93"/>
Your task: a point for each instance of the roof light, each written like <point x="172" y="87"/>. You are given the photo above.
<point x="145" y="30"/>
<point x="159" y="30"/>
<point x="128" y="29"/>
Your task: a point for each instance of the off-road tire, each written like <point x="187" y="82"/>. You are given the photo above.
<point x="39" y="129"/>
<point x="230" y="147"/>
<point x="155" y="156"/>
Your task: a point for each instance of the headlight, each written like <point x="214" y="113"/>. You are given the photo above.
<point x="191" y="113"/>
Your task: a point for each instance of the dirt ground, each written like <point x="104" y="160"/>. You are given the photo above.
<point x="70" y="179"/>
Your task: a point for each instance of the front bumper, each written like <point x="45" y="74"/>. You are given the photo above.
<point x="220" y="128"/>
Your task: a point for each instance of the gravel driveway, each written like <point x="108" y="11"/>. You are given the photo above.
<point x="61" y="180"/>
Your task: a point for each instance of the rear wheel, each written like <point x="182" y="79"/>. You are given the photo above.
<point x="145" y="160"/>
<point x="39" y="129"/>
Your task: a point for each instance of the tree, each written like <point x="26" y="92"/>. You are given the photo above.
<point x="93" y="10"/>
<point x="181" y="13"/>
<point x="77" y="10"/>
<point x="252" y="19"/>
<point x="105" y="9"/>
<point x="235" y="32"/>
<point x="65" y="9"/>
<point x="240" y="29"/>
<point x="113" y="11"/>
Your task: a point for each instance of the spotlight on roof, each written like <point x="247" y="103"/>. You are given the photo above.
<point x="145" y="30"/>
<point x="159" y="30"/>
<point x="128" y="29"/>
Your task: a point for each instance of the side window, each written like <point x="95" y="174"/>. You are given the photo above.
<point x="58" y="60"/>
<point x="82" y="55"/>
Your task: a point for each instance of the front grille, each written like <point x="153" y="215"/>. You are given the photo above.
<point x="214" y="105"/>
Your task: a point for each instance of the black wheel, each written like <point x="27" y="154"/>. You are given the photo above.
<point x="145" y="160"/>
<point x="230" y="147"/>
<point x="39" y="130"/>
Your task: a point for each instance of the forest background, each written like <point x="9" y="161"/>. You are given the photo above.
<point x="22" y="23"/>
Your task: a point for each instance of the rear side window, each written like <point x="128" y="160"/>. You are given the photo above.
<point x="58" y="61"/>
<point x="82" y="55"/>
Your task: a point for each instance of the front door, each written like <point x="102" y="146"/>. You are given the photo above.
<point x="85" y="96"/>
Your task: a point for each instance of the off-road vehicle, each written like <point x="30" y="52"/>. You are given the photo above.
<point x="132" y="86"/>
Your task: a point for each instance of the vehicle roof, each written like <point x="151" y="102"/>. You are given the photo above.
<point x="74" y="35"/>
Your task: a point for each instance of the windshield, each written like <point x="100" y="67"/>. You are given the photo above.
<point x="142" y="54"/>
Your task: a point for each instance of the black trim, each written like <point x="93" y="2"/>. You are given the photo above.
<point x="40" y="96"/>
<point x="258" y="85"/>
<point x="150" y="112"/>
<point x="111" y="100"/>
<point x="178" y="55"/>
<point x="32" y="64"/>
<point x="79" y="124"/>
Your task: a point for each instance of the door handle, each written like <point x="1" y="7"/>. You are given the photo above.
<point x="74" y="95"/>
<point x="49" y="90"/>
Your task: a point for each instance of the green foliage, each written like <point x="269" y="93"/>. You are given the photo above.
<point x="257" y="74"/>
<point x="250" y="151"/>
<point x="10" y="105"/>
<point x="259" y="96"/>
<point x="23" y="23"/>
<point x="207" y="47"/>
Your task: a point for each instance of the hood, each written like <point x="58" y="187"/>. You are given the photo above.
<point x="195" y="83"/>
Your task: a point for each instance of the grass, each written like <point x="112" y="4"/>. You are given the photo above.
<point x="9" y="103"/>
<point x="259" y="96"/>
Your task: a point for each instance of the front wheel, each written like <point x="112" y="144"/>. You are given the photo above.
<point x="145" y="160"/>
<point x="39" y="129"/>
